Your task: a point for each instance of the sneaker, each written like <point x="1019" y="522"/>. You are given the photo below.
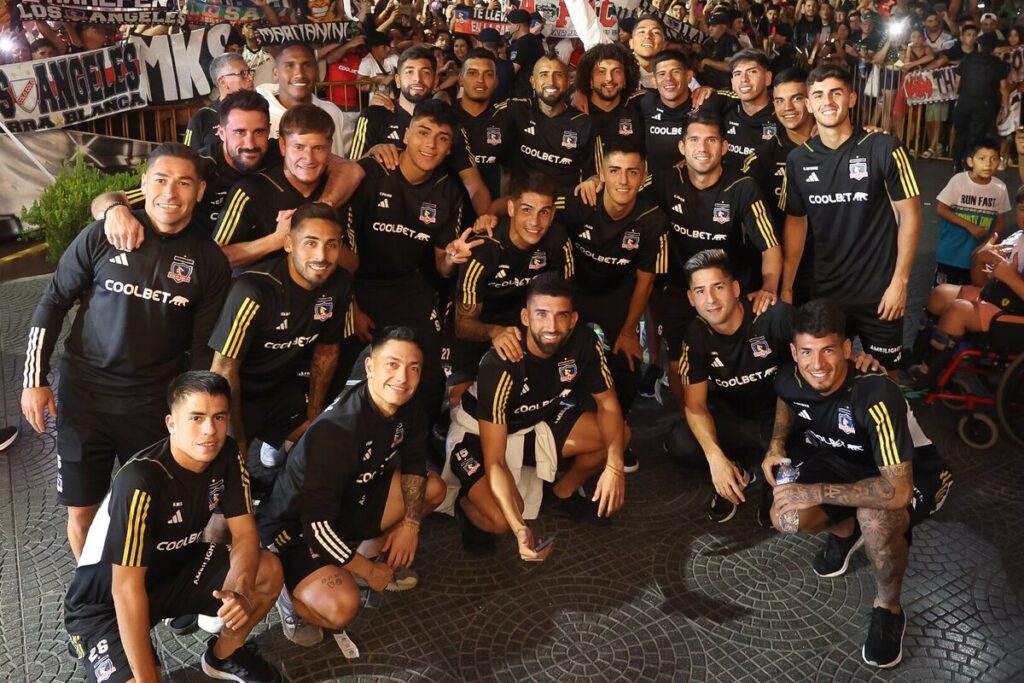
<point x="721" y="510"/>
<point x="403" y="579"/>
<point x="764" y="507"/>
<point x="571" y="507"/>
<point x="834" y="557"/>
<point x="7" y="436"/>
<point x="270" y="456"/>
<point x="210" y="624"/>
<point x="243" y="666"/>
<point x="183" y="625"/>
<point x="646" y="386"/>
<point x="884" y="645"/>
<point x="295" y="628"/>
<point x="630" y="461"/>
<point x="474" y="539"/>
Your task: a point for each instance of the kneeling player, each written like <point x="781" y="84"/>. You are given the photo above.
<point x="359" y="473"/>
<point x="561" y="361"/>
<point x="867" y="473"/>
<point x="144" y="558"/>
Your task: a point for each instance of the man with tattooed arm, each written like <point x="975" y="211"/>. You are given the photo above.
<point x="867" y="473"/>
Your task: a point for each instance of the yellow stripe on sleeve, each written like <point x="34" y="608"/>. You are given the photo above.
<point x="605" y="372"/>
<point x="359" y="138"/>
<point x="239" y="326"/>
<point x="501" y="394"/>
<point x="470" y="282"/>
<point x="229" y="222"/>
<point x="906" y="172"/>
<point x="764" y="223"/>
<point x="136" y="531"/>
<point x="661" y="265"/>
<point x="684" y="364"/>
<point x="886" y="434"/>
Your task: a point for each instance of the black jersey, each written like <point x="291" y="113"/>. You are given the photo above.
<point x="268" y="320"/>
<point x="867" y="420"/>
<point x="498" y="272"/>
<point x="605" y="250"/>
<point x="348" y="451"/>
<point x="740" y="367"/>
<point x="847" y="196"/>
<point x="522" y="394"/>
<point x="139" y="313"/>
<point x="394" y="226"/>
<point x="254" y="202"/>
<point x="729" y="215"/>
<point x="744" y="132"/>
<point x="663" y="129"/>
<point x="202" y="127"/>
<point x="524" y="52"/>
<point x="488" y="135"/>
<point x="156" y="510"/>
<point x="623" y="124"/>
<point x="378" y="125"/>
<point x="561" y="147"/>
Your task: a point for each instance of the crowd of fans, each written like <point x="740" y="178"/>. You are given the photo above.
<point x="475" y="276"/>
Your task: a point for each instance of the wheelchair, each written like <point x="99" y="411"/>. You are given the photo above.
<point x="990" y="374"/>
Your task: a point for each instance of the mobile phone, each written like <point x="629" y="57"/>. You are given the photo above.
<point x="544" y="543"/>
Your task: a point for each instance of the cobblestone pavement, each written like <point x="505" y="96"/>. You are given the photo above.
<point x="663" y="594"/>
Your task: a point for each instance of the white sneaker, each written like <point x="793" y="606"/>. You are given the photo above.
<point x="295" y="628"/>
<point x="403" y="579"/>
<point x="210" y="624"/>
<point x="270" y="456"/>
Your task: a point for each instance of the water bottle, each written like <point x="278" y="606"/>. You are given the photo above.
<point x="786" y="473"/>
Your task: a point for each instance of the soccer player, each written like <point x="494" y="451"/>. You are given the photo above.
<point x="485" y="125"/>
<point x="647" y="42"/>
<point x="748" y="118"/>
<point x="275" y="311"/>
<point x="666" y="110"/>
<point x="359" y="473"/>
<point x="145" y="558"/>
<point x="609" y="77"/>
<point x="231" y="73"/>
<point x="847" y="188"/>
<point x="867" y="473"/>
<point x="140" y="312"/>
<point x="526" y="398"/>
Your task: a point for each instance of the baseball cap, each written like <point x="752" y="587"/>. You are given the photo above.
<point x="519" y="16"/>
<point x="989" y="15"/>
<point x="868" y="16"/>
<point x="719" y="18"/>
<point x="489" y="35"/>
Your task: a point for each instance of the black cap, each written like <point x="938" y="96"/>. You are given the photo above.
<point x="489" y="36"/>
<point x="519" y="16"/>
<point x="720" y="19"/>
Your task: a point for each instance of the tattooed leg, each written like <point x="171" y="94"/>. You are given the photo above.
<point x="886" y="545"/>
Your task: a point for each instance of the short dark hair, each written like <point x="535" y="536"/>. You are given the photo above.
<point x="177" y="151"/>
<point x="244" y="100"/>
<point x="650" y="17"/>
<point x="437" y="111"/>
<point x="987" y="42"/>
<point x="608" y="51"/>
<point x="827" y="71"/>
<point x="793" y="74"/>
<point x="288" y="44"/>
<point x="819" y="318"/>
<point x="306" y="118"/>
<point x="703" y="260"/>
<point x="671" y="55"/>
<point x="704" y="118"/>
<point x="416" y="52"/>
<point x="40" y="43"/>
<point x="314" y="211"/>
<point x="196" y="382"/>
<point x="549" y="284"/>
<point x="981" y="143"/>
<point x="402" y="333"/>
<point x="534" y="183"/>
<point x="750" y="54"/>
<point x="621" y="146"/>
<point x="478" y="53"/>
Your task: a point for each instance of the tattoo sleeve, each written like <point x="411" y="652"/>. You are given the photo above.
<point x="783" y="423"/>
<point x="321" y="372"/>
<point x="468" y="325"/>
<point x="888" y="491"/>
<point x="414" y="487"/>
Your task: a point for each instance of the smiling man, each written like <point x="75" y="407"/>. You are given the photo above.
<point x="748" y="117"/>
<point x="609" y="77"/>
<point x="139" y="314"/>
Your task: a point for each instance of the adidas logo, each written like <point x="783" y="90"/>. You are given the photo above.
<point x="529" y="130"/>
<point x="176" y="518"/>
<point x="804" y="415"/>
<point x="731" y="131"/>
<point x="383" y="203"/>
<point x="585" y="235"/>
<point x="678" y="208"/>
<point x="121" y="259"/>
<point x="717" y="363"/>
<point x="526" y="389"/>
<point x="393" y="135"/>
<point x="501" y="273"/>
<point x="283" y="325"/>
<point x="781" y="170"/>
<point x="656" y="116"/>
<point x="813" y="178"/>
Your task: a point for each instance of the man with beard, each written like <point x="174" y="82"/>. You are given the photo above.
<point x="748" y="118"/>
<point x="767" y="165"/>
<point x="547" y="135"/>
<point x="608" y="76"/>
<point x="295" y="68"/>
<point x="256" y="219"/>
<point x="711" y="207"/>
<point x="847" y="188"/>
<point x="231" y="74"/>
<point x="273" y="312"/>
<point x="380" y="131"/>
<point x="526" y="401"/>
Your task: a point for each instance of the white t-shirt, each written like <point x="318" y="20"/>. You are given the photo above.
<point x="940" y="44"/>
<point x="369" y="68"/>
<point x="277" y="110"/>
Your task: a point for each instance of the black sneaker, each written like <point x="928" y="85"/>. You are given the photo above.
<point x="884" y="645"/>
<point x="764" y="507"/>
<point x="572" y="507"/>
<point x="474" y="539"/>
<point x="7" y="436"/>
<point x="646" y="385"/>
<point x="630" y="462"/>
<point x="243" y="666"/>
<point x="183" y="625"/>
<point x="834" y="557"/>
<point x="721" y="510"/>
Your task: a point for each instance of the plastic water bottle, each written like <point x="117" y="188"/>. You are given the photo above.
<point x="786" y="473"/>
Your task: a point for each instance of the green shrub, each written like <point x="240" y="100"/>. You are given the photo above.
<point x="62" y="210"/>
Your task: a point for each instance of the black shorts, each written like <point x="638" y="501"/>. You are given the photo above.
<point x="883" y="339"/>
<point x="931" y="483"/>
<point x="299" y="561"/>
<point x="88" y="442"/>
<point x="673" y="315"/>
<point x="951" y="275"/>
<point x="467" y="457"/>
<point x="272" y="415"/>
<point x="91" y="620"/>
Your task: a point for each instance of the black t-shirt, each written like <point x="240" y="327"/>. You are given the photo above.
<point x="202" y="127"/>
<point x="498" y="272"/>
<point x="866" y="421"/>
<point x="562" y="147"/>
<point x="846" y="194"/>
<point x="624" y="124"/>
<point x="377" y="125"/>
<point x="663" y="129"/>
<point x="720" y="51"/>
<point x="488" y="136"/>
<point x="956" y="53"/>
<point x="250" y="212"/>
<point x="395" y="225"/>
<point x="156" y="510"/>
<point x="607" y="251"/>
<point x="349" y="452"/>
<point x="729" y="215"/>
<point x="805" y="33"/>
<point x="744" y="132"/>
<point x="980" y="74"/>
<point x="525" y="51"/>
<point x="268" y="320"/>
<point x="523" y="394"/>
<point x="740" y="367"/>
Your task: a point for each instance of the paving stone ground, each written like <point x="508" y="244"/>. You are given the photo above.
<point x="662" y="595"/>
